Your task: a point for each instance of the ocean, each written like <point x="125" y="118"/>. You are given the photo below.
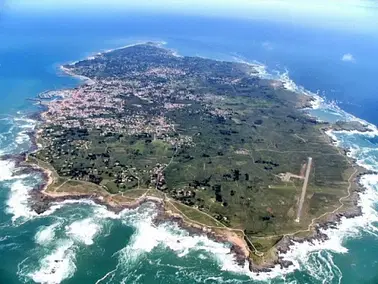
<point x="81" y="242"/>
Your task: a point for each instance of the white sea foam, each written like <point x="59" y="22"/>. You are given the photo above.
<point x="366" y="157"/>
<point x="7" y="168"/>
<point x="22" y="138"/>
<point x="260" y="68"/>
<point x="83" y="231"/>
<point x="17" y="204"/>
<point x="15" y="139"/>
<point x="46" y="234"/>
<point x="19" y="185"/>
<point x="333" y="108"/>
<point x="6" y="122"/>
<point x="373" y="132"/>
<point x="57" y="266"/>
<point x="60" y="263"/>
<point x="148" y="237"/>
<point x="58" y="205"/>
<point x="4" y="238"/>
<point x="25" y="121"/>
<point x="287" y="82"/>
<point x="314" y="256"/>
<point x="331" y="134"/>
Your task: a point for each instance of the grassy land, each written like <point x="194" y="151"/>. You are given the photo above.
<point x="215" y="154"/>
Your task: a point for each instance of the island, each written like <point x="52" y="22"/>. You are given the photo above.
<point x="219" y="149"/>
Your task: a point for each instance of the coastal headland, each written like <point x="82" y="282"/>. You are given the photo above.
<point x="218" y="150"/>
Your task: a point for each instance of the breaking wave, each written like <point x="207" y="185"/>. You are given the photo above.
<point x="58" y="265"/>
<point x="83" y="230"/>
<point x="17" y="204"/>
<point x="46" y="234"/>
<point x="15" y="136"/>
<point x="57" y="244"/>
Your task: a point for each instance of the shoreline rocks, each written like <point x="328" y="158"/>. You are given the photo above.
<point x="40" y="203"/>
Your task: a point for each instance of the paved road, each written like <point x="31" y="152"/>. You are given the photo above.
<point x="304" y="189"/>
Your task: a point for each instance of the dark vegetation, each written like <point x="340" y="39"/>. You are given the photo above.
<point x="244" y="132"/>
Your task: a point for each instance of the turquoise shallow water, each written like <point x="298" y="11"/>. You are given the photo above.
<point x="84" y="243"/>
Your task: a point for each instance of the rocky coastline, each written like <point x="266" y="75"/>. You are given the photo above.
<point x="40" y="202"/>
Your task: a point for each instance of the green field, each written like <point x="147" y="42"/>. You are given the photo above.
<point x="208" y="134"/>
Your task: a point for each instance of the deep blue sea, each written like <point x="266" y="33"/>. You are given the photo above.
<point x="80" y="242"/>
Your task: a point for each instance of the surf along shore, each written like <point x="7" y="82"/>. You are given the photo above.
<point x="56" y="189"/>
